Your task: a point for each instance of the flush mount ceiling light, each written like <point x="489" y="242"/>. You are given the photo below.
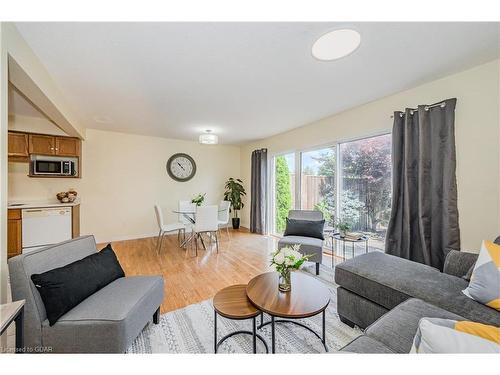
<point x="336" y="44"/>
<point x="103" y="119"/>
<point x="208" y="138"/>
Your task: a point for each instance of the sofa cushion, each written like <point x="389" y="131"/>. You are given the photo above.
<point x="109" y="320"/>
<point x="458" y="263"/>
<point x="397" y="328"/>
<point x="389" y="280"/>
<point x="304" y="228"/>
<point x="365" y="344"/>
<point x="308" y="245"/>
<point x="380" y="277"/>
<point x="65" y="287"/>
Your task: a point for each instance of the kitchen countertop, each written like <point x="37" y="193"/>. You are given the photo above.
<point x="16" y="205"/>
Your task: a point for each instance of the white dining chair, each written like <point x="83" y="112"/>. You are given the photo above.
<point x="223" y="219"/>
<point x="206" y="222"/>
<point x="166" y="228"/>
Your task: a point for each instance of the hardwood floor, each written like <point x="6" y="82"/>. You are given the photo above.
<point x="190" y="279"/>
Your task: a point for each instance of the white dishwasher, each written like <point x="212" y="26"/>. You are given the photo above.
<point x="45" y="226"/>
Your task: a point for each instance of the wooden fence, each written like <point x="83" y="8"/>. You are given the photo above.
<point x="310" y="194"/>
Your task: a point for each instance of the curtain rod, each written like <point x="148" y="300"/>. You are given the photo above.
<point x="426" y="108"/>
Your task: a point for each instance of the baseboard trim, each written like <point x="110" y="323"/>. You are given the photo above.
<point x="106" y="240"/>
<point x="125" y="237"/>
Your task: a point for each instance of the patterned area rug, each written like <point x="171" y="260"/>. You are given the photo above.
<point x="190" y="330"/>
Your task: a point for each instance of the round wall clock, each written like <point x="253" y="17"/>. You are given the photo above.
<point x="181" y="167"/>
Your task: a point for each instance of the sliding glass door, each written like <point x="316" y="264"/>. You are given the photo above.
<point x="365" y="186"/>
<point x="317" y="182"/>
<point x="348" y="181"/>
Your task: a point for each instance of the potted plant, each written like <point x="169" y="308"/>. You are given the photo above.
<point x="199" y="199"/>
<point x="284" y="261"/>
<point x="343" y="227"/>
<point x="234" y="192"/>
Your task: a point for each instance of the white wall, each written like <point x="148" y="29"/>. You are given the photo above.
<point x="124" y="175"/>
<point x="14" y="48"/>
<point x="477" y="141"/>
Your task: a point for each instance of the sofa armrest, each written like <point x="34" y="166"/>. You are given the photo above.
<point x="457" y="263"/>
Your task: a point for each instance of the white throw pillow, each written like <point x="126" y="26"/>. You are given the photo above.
<point x="484" y="286"/>
<point x="451" y="336"/>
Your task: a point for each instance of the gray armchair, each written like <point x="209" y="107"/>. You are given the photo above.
<point x="106" y="322"/>
<point x="308" y="245"/>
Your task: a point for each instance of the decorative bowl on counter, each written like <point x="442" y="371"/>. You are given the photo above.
<point x="67" y="196"/>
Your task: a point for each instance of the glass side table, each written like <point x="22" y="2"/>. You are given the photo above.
<point x="328" y="232"/>
<point x="336" y="237"/>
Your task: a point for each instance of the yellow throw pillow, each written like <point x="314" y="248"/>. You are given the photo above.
<point x="484" y="286"/>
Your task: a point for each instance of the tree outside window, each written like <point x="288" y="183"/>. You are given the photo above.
<point x="283" y="194"/>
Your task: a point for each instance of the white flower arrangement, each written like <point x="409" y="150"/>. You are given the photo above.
<point x="288" y="258"/>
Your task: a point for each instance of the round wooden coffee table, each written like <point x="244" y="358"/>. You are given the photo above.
<point x="308" y="297"/>
<point x="232" y="303"/>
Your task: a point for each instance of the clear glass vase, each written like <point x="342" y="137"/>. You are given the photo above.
<point x="284" y="281"/>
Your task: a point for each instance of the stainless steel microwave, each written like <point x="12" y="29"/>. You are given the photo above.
<point x="53" y="166"/>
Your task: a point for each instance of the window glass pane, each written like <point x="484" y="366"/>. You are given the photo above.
<point x="365" y="191"/>
<point x="318" y="182"/>
<point x="284" y="186"/>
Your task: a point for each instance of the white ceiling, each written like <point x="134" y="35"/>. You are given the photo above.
<point x="245" y="81"/>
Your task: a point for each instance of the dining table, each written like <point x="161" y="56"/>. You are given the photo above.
<point x="190" y="215"/>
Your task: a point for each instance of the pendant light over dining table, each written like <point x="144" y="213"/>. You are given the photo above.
<point x="208" y="138"/>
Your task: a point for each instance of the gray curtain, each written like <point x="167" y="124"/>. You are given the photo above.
<point x="424" y="218"/>
<point x="258" y="198"/>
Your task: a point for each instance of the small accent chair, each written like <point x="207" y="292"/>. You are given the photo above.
<point x="206" y="222"/>
<point x="224" y="207"/>
<point x="106" y="322"/>
<point x="308" y="245"/>
<point x="166" y="228"/>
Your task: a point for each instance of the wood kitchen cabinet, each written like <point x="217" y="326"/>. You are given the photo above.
<point x="42" y="144"/>
<point x="22" y="145"/>
<point x="67" y="146"/>
<point x="14" y="233"/>
<point x="18" y="146"/>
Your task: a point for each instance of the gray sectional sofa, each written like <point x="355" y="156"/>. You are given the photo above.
<point x="387" y="296"/>
<point x="106" y="322"/>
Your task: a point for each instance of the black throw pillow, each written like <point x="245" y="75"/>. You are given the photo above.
<point x="65" y="287"/>
<point x="305" y="228"/>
